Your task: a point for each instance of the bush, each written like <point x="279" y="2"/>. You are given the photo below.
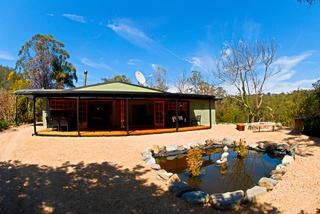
<point x="3" y="124"/>
<point x="7" y="107"/>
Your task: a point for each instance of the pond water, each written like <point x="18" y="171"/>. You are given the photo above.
<point x="239" y="174"/>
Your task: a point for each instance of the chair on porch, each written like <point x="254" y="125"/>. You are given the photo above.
<point x="64" y="123"/>
<point x="196" y="120"/>
<point x="53" y="123"/>
<point x="173" y="119"/>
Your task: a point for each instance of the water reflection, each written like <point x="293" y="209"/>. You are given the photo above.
<point x="239" y="173"/>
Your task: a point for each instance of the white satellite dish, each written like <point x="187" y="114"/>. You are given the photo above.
<point x="140" y="77"/>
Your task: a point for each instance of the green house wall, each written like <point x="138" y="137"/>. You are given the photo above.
<point x="201" y="107"/>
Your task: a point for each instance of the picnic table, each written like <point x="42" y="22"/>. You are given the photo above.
<point x="264" y="126"/>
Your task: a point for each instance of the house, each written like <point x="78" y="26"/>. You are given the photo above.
<point x="118" y="108"/>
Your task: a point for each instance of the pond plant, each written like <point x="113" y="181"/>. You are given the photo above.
<point x="194" y="161"/>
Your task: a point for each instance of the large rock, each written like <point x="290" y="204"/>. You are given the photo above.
<point x="181" y="148"/>
<point x="194" y="144"/>
<point x="268" y="183"/>
<point x="150" y="161"/>
<point x="171" y="148"/>
<point x="287" y="159"/>
<point x="252" y="146"/>
<point x="281" y="167"/>
<point x="155" y="166"/>
<point x="213" y="141"/>
<point x="202" y="144"/>
<point x="228" y="142"/>
<point x="196" y="197"/>
<point x="278" y="153"/>
<point x="283" y="146"/>
<point x="155" y="149"/>
<point x="179" y="188"/>
<point x="269" y="146"/>
<point x="164" y="175"/>
<point x="276" y="177"/>
<point x="173" y="179"/>
<point x="187" y="147"/>
<point x="253" y="193"/>
<point x="146" y="154"/>
<point x="281" y="171"/>
<point x="228" y="200"/>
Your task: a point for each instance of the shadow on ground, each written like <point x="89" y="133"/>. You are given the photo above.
<point x="92" y="188"/>
<point x="304" y="145"/>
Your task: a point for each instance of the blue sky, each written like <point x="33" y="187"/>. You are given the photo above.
<point x="120" y="37"/>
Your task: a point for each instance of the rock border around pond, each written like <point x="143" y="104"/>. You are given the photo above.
<point x="227" y="200"/>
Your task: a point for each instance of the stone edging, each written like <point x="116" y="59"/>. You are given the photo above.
<point x="220" y="201"/>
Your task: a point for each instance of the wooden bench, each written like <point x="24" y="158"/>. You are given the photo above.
<point x="263" y="126"/>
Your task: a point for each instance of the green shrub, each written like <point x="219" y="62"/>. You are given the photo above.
<point x="3" y="124"/>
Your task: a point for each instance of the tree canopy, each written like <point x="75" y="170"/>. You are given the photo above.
<point x="117" y="78"/>
<point x="44" y="61"/>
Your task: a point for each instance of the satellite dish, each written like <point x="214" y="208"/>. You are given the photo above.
<point x="140" y="77"/>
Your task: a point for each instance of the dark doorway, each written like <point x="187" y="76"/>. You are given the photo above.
<point x="141" y="115"/>
<point x="99" y="115"/>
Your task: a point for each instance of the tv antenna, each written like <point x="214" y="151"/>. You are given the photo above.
<point x="140" y="77"/>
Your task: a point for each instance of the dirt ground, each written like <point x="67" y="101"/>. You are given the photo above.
<point x="107" y="174"/>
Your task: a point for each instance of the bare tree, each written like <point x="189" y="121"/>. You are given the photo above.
<point x="182" y="83"/>
<point x="159" y="78"/>
<point x="248" y="66"/>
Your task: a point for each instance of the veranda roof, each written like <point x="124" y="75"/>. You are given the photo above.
<point x="111" y="89"/>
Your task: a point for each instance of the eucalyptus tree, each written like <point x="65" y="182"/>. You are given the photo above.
<point x="44" y="61"/>
<point x="117" y="78"/>
<point x="159" y="78"/>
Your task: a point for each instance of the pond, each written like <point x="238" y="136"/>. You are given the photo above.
<point x="238" y="174"/>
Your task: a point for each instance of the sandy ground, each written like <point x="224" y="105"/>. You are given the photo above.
<point x="107" y="175"/>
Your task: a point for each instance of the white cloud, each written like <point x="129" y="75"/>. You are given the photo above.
<point x="281" y="81"/>
<point x="126" y="29"/>
<point x="75" y="17"/>
<point x="204" y="63"/>
<point x="97" y="65"/>
<point x="134" y="62"/>
<point x="285" y="64"/>
<point x="50" y="14"/>
<point x="6" y="55"/>
<point x="279" y="87"/>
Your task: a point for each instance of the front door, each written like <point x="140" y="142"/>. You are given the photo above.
<point x="159" y="114"/>
<point x="99" y="114"/>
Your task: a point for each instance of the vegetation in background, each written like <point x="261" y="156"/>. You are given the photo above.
<point x="158" y="78"/>
<point x="3" y="124"/>
<point x="117" y="78"/>
<point x="283" y="108"/>
<point x="44" y="61"/>
<point x="194" y="161"/>
<point x="195" y="84"/>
